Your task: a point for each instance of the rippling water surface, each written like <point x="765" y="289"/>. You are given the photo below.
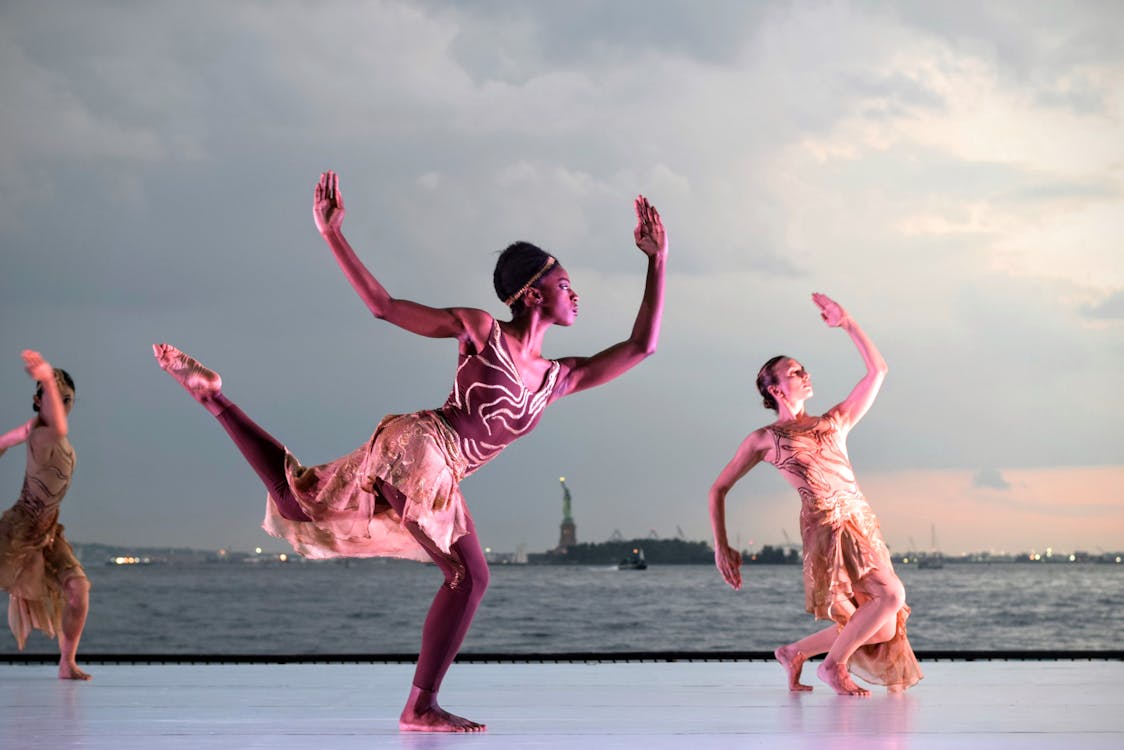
<point x="377" y="606"/>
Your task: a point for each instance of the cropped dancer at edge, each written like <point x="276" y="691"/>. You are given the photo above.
<point x="848" y="575"/>
<point x="46" y="585"/>
<point x="398" y="495"/>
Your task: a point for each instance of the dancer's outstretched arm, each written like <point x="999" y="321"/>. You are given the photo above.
<point x="852" y="409"/>
<point x="16" y="435"/>
<point x="749" y="454"/>
<point x="580" y="373"/>
<point x="453" y="322"/>
<point x="51" y="411"/>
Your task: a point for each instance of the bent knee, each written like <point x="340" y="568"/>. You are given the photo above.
<point x="76" y="587"/>
<point x="471" y="582"/>
<point x="895" y="595"/>
<point x="476" y="580"/>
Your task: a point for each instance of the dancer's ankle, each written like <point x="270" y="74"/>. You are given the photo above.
<point x="216" y="403"/>
<point x="421" y="698"/>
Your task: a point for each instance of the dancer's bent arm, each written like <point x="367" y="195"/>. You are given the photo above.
<point x="465" y="324"/>
<point x="852" y="409"/>
<point x="16" y="435"/>
<point x="580" y="373"/>
<point x="52" y="413"/>
<point x="751" y="452"/>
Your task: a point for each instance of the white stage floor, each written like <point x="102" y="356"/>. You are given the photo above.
<point x="696" y="705"/>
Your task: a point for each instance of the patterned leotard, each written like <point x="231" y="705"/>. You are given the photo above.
<point x="424" y="456"/>
<point x="489" y="406"/>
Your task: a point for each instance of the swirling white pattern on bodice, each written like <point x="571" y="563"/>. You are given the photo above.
<point x="489" y="406"/>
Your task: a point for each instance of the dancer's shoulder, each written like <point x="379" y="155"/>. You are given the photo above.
<point x="478" y="326"/>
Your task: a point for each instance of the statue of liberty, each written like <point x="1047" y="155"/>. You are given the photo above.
<point x="567" y="535"/>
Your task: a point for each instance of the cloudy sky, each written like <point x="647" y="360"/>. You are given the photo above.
<point x="952" y="173"/>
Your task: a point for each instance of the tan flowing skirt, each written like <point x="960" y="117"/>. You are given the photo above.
<point x="35" y="562"/>
<point x="417" y="454"/>
<point x="845" y="560"/>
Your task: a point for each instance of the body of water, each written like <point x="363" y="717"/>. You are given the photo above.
<point x="377" y="606"/>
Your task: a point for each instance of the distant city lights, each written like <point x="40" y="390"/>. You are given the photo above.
<point x="131" y="560"/>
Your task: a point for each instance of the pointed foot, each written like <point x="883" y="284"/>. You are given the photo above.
<point x="201" y="382"/>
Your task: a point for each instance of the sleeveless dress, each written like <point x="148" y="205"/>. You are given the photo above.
<point x="423" y="455"/>
<point x="35" y="558"/>
<point x="844" y="554"/>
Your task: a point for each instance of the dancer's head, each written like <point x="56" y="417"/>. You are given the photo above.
<point x="66" y="391"/>
<point x="782" y="377"/>
<point x="522" y="267"/>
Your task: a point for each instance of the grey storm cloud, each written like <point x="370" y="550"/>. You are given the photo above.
<point x="990" y="478"/>
<point x="157" y="172"/>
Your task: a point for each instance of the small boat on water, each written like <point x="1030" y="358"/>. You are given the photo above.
<point x="635" y="561"/>
<point x="931" y="561"/>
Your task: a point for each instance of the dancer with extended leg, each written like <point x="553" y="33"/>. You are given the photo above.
<point x="47" y="588"/>
<point x="399" y="494"/>
<point x="848" y="575"/>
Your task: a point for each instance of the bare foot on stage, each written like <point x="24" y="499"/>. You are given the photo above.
<point x="203" y="384"/>
<point x="835" y="675"/>
<point x="72" y="672"/>
<point x="793" y="662"/>
<point x="422" y="714"/>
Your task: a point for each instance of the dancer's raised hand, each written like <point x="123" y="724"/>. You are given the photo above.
<point x="831" y="311"/>
<point x="327" y="203"/>
<point x="37" y="367"/>
<point x="650" y="235"/>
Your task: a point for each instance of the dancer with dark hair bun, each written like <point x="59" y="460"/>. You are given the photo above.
<point x="48" y="589"/>
<point x="848" y="575"/>
<point x="398" y="495"/>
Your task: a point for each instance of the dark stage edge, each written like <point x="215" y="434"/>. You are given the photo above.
<point x="543" y="657"/>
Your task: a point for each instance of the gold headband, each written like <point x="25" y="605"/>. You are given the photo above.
<point x="546" y="267"/>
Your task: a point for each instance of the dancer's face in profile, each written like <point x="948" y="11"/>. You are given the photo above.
<point x="559" y="301"/>
<point x="66" y="393"/>
<point x="793" y="382"/>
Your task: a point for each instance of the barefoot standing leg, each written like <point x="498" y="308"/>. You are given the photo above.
<point x="76" y="592"/>
<point x="793" y="662"/>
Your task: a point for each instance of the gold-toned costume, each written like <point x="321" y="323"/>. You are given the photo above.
<point x="35" y="558"/>
<point x="845" y="558"/>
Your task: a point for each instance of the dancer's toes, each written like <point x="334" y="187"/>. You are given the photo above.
<point x="792" y="659"/>
<point x="202" y="383"/>
<point x="72" y="672"/>
<point x="836" y="676"/>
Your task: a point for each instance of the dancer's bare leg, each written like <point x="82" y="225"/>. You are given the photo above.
<point x="264" y="453"/>
<point x="76" y="605"/>
<point x="874" y="619"/>
<point x="204" y="385"/>
<point x="422" y="713"/>
<point x="793" y="656"/>
<point x="446" y="624"/>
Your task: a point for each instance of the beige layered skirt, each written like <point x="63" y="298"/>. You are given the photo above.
<point x="417" y="454"/>
<point x="35" y="562"/>
<point x="845" y="560"/>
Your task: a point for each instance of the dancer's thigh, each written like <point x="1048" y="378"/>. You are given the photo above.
<point x="465" y="555"/>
